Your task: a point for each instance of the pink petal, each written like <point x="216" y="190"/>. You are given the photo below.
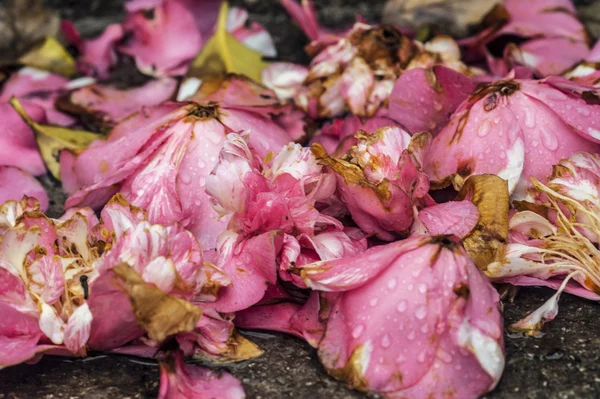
<point x="51" y="324"/>
<point x="47" y="278"/>
<point x="185" y="381"/>
<point x="78" y="328"/>
<point x="108" y="105"/>
<point x="457" y="218"/>
<point x="96" y="55"/>
<point x="423" y="100"/>
<point x="17" y="138"/>
<point x="19" y="336"/>
<point x="251" y="265"/>
<point x="253" y="34"/>
<point x="156" y="43"/>
<point x="551" y="56"/>
<point x="305" y="16"/>
<point x="284" y="78"/>
<point x="15" y="183"/>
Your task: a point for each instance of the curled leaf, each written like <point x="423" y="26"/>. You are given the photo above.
<point x="51" y="140"/>
<point x="160" y="314"/>
<point x="487" y="241"/>
<point x="51" y="56"/>
<point x="223" y="54"/>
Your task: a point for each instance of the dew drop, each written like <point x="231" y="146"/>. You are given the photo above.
<point x="185" y="178"/>
<point x="385" y="341"/>
<point x="534" y="143"/>
<point x="421" y="312"/>
<point x="549" y="140"/>
<point x="421" y="357"/>
<point x="424" y="329"/>
<point x="411" y="336"/>
<point x="423" y="288"/>
<point x="484" y="129"/>
<point x="529" y="118"/>
<point x="358" y="330"/>
<point x="444" y="356"/>
<point x="437" y="106"/>
<point x="402" y="306"/>
<point x="391" y="284"/>
<point x="373" y="302"/>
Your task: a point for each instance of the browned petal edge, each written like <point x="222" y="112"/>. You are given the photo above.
<point x="158" y="313"/>
<point x="90" y="117"/>
<point x="352" y="174"/>
<point x="486" y="243"/>
<point x="239" y="348"/>
<point x="350" y="372"/>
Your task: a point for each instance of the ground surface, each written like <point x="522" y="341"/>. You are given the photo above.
<point x="563" y="363"/>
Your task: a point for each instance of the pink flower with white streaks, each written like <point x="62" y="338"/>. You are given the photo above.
<point x="275" y="219"/>
<point x="413" y="318"/>
<point x="43" y="263"/>
<point x="380" y="180"/>
<point x="514" y="128"/>
<point x="553" y="239"/>
<point x="160" y="158"/>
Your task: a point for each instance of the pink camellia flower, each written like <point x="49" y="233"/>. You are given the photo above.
<point x="414" y="318"/>
<point x="160" y="158"/>
<point x="186" y="381"/>
<point x="15" y="183"/>
<point x="274" y="207"/>
<point x="553" y="240"/>
<point x="380" y="180"/>
<point x="98" y="55"/>
<point x="356" y="72"/>
<point x="514" y="128"/>
<point x="550" y="37"/>
<point x="156" y="278"/>
<point x="43" y="298"/>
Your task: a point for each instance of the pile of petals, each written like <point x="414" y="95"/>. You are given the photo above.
<point x="365" y="203"/>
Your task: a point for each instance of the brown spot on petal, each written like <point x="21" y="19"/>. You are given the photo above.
<point x="462" y="291"/>
<point x="486" y="243"/>
<point x="205" y="111"/>
<point x="160" y="314"/>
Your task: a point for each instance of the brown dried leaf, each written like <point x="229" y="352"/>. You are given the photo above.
<point x="450" y="16"/>
<point x="487" y="241"/>
<point x="160" y="314"/>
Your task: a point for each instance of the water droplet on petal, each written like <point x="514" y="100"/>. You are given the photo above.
<point x="437" y="106"/>
<point x="484" y="129"/>
<point x="424" y="328"/>
<point x="358" y="330"/>
<point x="423" y="288"/>
<point x="385" y="341"/>
<point x="391" y="284"/>
<point x="421" y="357"/>
<point x="411" y="336"/>
<point x="402" y="306"/>
<point x="421" y="312"/>
<point x="444" y="356"/>
<point x="549" y="140"/>
<point x="373" y="302"/>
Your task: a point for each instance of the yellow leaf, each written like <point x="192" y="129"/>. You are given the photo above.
<point x="51" y="140"/>
<point x="158" y="313"/>
<point x="50" y="56"/>
<point x="224" y="54"/>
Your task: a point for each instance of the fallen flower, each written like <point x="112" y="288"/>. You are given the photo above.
<point x="380" y="180"/>
<point x="513" y="128"/>
<point x="553" y="239"/>
<point x="427" y="288"/>
<point x="160" y="158"/>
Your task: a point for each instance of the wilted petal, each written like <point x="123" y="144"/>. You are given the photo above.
<point x="457" y="218"/>
<point x="78" y="328"/>
<point x="51" y="324"/>
<point x="186" y="381"/>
